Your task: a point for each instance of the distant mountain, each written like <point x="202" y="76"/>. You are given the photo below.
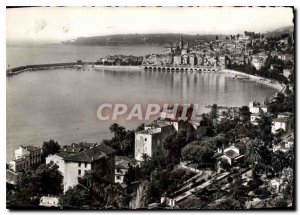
<point x="280" y="31"/>
<point x="159" y="39"/>
<point x="142" y="39"/>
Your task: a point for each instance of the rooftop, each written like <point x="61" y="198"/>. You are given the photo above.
<point x="88" y="155"/>
<point x="282" y="119"/>
<point x="31" y="148"/>
<point x="150" y="131"/>
<point x="286" y="114"/>
<point x="232" y="154"/>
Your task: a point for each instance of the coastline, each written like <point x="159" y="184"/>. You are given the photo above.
<point x="116" y="67"/>
<point x="14" y="71"/>
<point x="262" y="80"/>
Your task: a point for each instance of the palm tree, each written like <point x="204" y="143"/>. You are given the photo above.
<point x="279" y="161"/>
<point x="139" y="201"/>
<point x="253" y="154"/>
<point x="114" y="128"/>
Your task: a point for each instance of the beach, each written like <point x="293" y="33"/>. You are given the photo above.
<point x="258" y="79"/>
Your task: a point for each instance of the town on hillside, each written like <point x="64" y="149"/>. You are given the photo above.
<point x="251" y="53"/>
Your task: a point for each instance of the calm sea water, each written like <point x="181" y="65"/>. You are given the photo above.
<point x="62" y="104"/>
<point x="43" y="54"/>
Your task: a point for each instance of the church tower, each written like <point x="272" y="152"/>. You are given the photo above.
<point x="181" y="42"/>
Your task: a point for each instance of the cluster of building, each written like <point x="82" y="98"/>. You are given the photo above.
<point x="120" y="60"/>
<point x="150" y="140"/>
<point x="282" y="123"/>
<point x="74" y="161"/>
<point x="239" y="50"/>
<point x="182" y="54"/>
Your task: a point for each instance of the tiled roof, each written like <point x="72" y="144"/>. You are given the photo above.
<point x="91" y="154"/>
<point x="232" y="154"/>
<point x="282" y="119"/>
<point x="31" y="148"/>
<point x="122" y="158"/>
<point x="121" y="166"/>
<point x="83" y="145"/>
<point x="65" y="154"/>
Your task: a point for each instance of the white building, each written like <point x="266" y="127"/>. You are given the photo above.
<point x="49" y="201"/>
<point x="284" y="146"/>
<point x="122" y="164"/>
<point x="75" y="164"/>
<point x="254" y="107"/>
<point x="149" y="141"/>
<point x="254" y="117"/>
<point x="231" y="154"/>
<point x="26" y="156"/>
<point x="284" y="121"/>
<point x="287" y="72"/>
<point x="257" y="63"/>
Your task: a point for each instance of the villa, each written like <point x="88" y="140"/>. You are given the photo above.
<point x="74" y="164"/>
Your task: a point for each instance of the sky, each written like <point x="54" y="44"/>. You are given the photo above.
<point x="64" y="23"/>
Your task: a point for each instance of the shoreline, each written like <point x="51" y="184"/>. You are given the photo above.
<point x="28" y="68"/>
<point x="258" y="79"/>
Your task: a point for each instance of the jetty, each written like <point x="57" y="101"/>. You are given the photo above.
<point x="29" y="68"/>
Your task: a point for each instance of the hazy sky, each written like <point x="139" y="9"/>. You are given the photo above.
<point x="56" y="24"/>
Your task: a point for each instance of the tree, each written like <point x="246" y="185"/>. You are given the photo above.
<point x="214" y="111"/>
<point x="200" y="154"/>
<point x="245" y="113"/>
<point x="264" y="127"/>
<point x="117" y="130"/>
<point x="280" y="203"/>
<point x="49" y="148"/>
<point x="141" y="127"/>
<point x="127" y="144"/>
<point x="75" y="197"/>
<point x="173" y="145"/>
<point x="139" y="200"/>
<point x="253" y="155"/>
<point x="97" y="191"/>
<point x="32" y="184"/>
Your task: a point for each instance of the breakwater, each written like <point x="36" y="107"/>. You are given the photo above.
<point x="28" y="68"/>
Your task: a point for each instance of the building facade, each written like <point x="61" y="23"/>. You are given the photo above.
<point x="25" y="157"/>
<point x="75" y="164"/>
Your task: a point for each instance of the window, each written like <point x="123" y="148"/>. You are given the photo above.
<point x="79" y="164"/>
<point x="145" y="139"/>
<point x="118" y="177"/>
<point x="85" y="164"/>
<point x="79" y="172"/>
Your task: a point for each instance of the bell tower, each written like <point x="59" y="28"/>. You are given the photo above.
<point x="181" y="42"/>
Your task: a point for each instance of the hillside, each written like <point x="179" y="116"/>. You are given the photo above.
<point x="284" y="30"/>
<point x="160" y="39"/>
<point x="141" y="39"/>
